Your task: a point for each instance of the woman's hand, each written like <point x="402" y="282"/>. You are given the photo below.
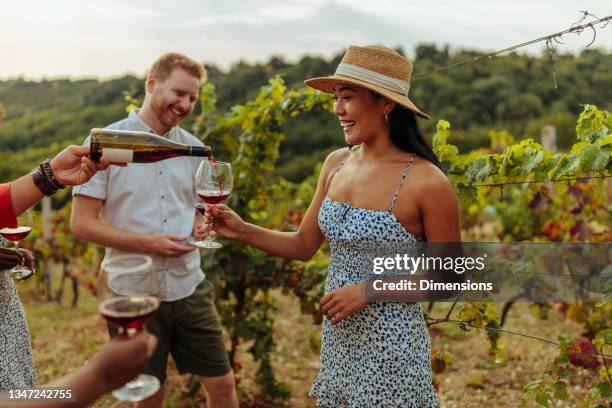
<point x="225" y="221"/>
<point x="72" y="166"/>
<point x="122" y="359"/>
<point x="9" y="258"/>
<point x="338" y="304"/>
<point x="28" y="260"/>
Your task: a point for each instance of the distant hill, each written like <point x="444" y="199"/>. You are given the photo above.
<point x="513" y="92"/>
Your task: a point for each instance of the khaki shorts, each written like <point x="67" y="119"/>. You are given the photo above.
<point x="189" y="330"/>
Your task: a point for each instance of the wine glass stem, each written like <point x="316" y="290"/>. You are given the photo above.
<point x="203" y="221"/>
<point x="212" y="224"/>
<point x="21" y="263"/>
<point x="17" y="249"/>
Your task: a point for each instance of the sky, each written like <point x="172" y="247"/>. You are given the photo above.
<point x="108" y="38"/>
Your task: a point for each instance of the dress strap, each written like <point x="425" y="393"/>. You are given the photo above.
<point x="399" y="185"/>
<point x="338" y="169"/>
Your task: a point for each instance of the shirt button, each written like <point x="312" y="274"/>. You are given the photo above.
<point x="165" y="220"/>
<point x="160" y="172"/>
<point x="163" y="196"/>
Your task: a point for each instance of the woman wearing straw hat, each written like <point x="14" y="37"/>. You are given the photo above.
<point x="383" y="194"/>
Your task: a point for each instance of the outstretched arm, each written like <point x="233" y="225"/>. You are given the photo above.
<point x="301" y="245"/>
<point x="70" y="167"/>
<point x="119" y="361"/>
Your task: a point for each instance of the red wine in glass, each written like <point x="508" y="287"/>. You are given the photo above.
<point x="129" y="313"/>
<point x="128" y="293"/>
<point x="15" y="234"/>
<point x="213" y="161"/>
<point x="19" y="272"/>
<point x="214" y="183"/>
<point x="213" y="196"/>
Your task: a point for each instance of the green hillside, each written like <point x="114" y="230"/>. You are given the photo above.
<point x="513" y="92"/>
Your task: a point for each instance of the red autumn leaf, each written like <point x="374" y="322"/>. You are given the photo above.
<point x="583" y="353"/>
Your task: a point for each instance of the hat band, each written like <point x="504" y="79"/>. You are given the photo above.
<point x="375" y="78"/>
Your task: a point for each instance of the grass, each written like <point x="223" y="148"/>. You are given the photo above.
<point x="64" y="338"/>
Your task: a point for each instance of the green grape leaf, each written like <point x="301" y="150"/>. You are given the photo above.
<point x="593" y="124"/>
<point x="604" y="141"/>
<point x="604" y="389"/>
<point x="542" y="398"/>
<point x="567" y="165"/>
<point x="529" y="165"/>
<point x="481" y="168"/>
<point x="560" y="390"/>
<point x="606" y="335"/>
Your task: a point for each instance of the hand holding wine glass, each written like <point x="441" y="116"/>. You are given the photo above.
<point x="23" y="269"/>
<point x="122" y="360"/>
<point x="223" y="220"/>
<point x="28" y="260"/>
<point x="128" y="296"/>
<point x="213" y="185"/>
<point x="9" y="258"/>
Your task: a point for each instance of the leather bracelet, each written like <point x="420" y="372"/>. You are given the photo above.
<point x="41" y="182"/>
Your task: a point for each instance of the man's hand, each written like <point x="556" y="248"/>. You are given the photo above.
<point x="72" y="166"/>
<point x="167" y="245"/>
<point x="338" y="304"/>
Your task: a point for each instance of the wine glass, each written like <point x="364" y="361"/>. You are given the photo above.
<point x="21" y="271"/>
<point x="213" y="185"/>
<point x="128" y="296"/>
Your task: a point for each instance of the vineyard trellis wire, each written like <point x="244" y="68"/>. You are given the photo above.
<point x="574" y="29"/>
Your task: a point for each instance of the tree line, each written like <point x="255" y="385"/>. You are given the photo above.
<point x="513" y="92"/>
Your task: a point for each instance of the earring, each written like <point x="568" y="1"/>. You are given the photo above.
<point x="386" y="118"/>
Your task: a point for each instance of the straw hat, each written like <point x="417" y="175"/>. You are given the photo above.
<point x="377" y="68"/>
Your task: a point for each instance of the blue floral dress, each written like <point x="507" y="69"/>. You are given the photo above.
<point x="380" y="356"/>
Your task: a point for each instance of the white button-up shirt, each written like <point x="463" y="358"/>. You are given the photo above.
<point x="153" y="198"/>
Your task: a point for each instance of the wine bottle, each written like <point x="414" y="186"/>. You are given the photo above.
<point x="127" y="146"/>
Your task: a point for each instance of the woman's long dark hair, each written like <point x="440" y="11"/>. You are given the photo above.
<point x="406" y="135"/>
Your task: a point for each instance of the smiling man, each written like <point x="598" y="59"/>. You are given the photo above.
<point x="149" y="208"/>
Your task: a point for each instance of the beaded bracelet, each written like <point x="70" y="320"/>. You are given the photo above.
<point x="49" y="172"/>
<point x="45" y="180"/>
<point x="41" y="181"/>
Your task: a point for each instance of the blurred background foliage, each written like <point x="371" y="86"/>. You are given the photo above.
<point x="514" y="92"/>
